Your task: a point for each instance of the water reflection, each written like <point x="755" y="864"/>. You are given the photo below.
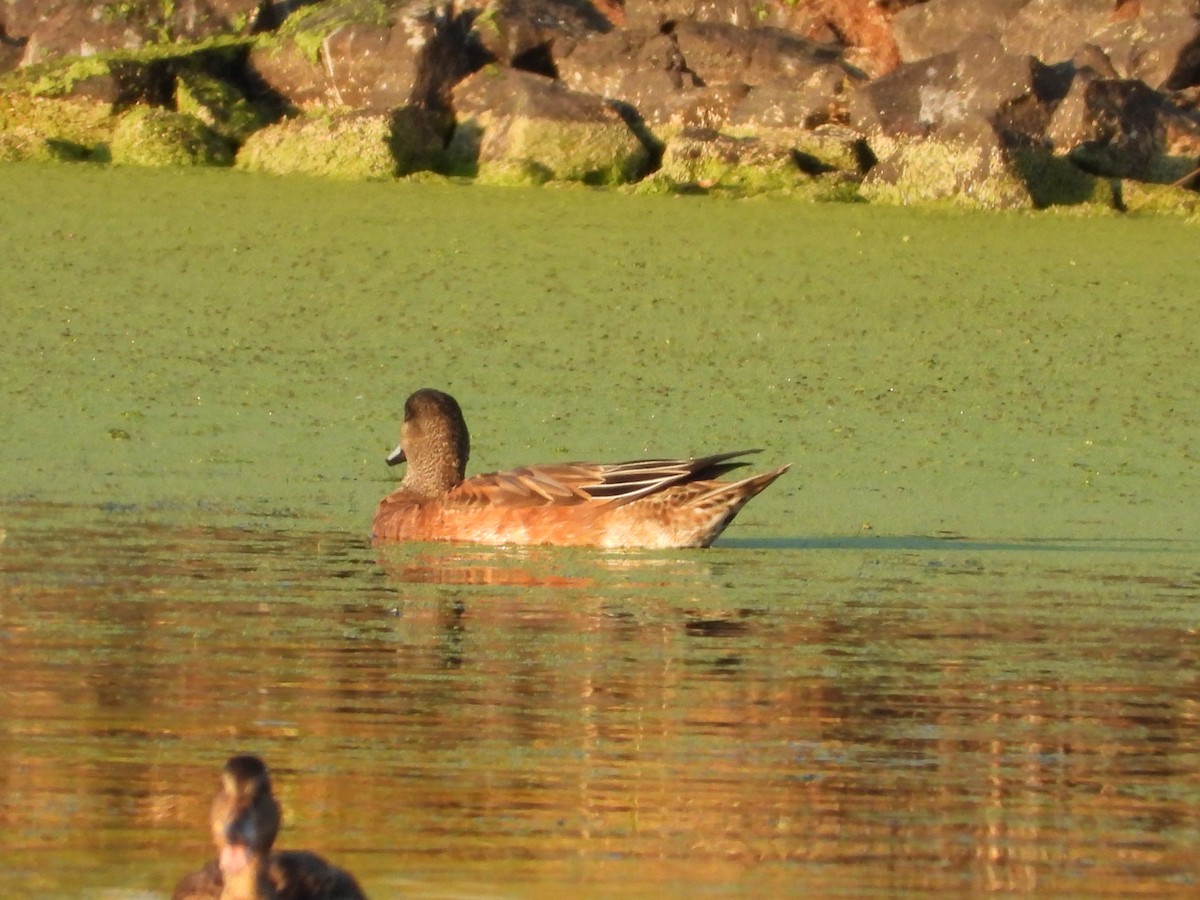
<point x="946" y="718"/>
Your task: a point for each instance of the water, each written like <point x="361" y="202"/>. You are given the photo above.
<point x="952" y="651"/>
<point x="864" y="716"/>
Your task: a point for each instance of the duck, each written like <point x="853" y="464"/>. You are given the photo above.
<point x="638" y="504"/>
<point x="245" y="820"/>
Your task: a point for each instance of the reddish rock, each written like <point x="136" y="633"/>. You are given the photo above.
<point x="696" y="74"/>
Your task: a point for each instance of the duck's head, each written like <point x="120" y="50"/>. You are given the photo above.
<point x="433" y="441"/>
<point x="245" y="815"/>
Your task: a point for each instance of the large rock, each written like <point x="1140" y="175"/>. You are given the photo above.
<point x="640" y="67"/>
<point x="958" y="173"/>
<point x="1155" y="46"/>
<point x="861" y="28"/>
<point x="1126" y="133"/>
<point x="823" y="163"/>
<point x="980" y="116"/>
<point x="969" y="94"/>
<point x="146" y="136"/>
<point x="50" y="30"/>
<point x="358" y="145"/>
<point x="533" y="34"/>
<point x="942" y="26"/>
<point x="724" y="54"/>
<point x="706" y="75"/>
<point x="1052" y="30"/>
<point x="35" y="128"/>
<point x="364" y="55"/>
<point x="1161" y="50"/>
<point x="518" y="127"/>
<point x="200" y="19"/>
<point x="218" y="104"/>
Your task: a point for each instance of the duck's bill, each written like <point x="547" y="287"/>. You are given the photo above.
<point x="396" y="456"/>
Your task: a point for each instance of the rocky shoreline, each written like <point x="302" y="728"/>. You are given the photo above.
<point x="978" y="103"/>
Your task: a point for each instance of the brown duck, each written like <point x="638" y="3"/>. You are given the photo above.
<point x="245" y="821"/>
<point x="652" y="503"/>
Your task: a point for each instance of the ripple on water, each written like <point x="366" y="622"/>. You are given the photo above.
<point x="867" y="715"/>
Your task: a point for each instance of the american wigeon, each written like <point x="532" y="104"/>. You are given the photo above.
<point x="652" y="503"/>
<point x="245" y="822"/>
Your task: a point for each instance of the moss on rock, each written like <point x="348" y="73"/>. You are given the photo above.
<point x="937" y="172"/>
<point x="535" y="150"/>
<point x="1165" y="199"/>
<point x="35" y="128"/>
<point x="354" y="145"/>
<point x="147" y="136"/>
<point x="218" y="104"/>
<point x="310" y="25"/>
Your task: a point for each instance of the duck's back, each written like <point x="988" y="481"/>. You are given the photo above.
<point x="301" y="875"/>
<point x="649" y="504"/>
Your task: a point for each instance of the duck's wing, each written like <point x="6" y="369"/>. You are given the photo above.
<point x="205" y="884"/>
<point x="303" y="875"/>
<point x="567" y="484"/>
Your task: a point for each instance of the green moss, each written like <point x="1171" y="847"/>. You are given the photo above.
<point x="60" y="77"/>
<point x="1053" y="180"/>
<point x="943" y="173"/>
<point x="1160" y="198"/>
<point x="355" y="146"/>
<point x="218" y="104"/>
<point x="514" y="173"/>
<point x="532" y="150"/>
<point x="35" y="128"/>
<point x="309" y="25"/>
<point x="146" y="136"/>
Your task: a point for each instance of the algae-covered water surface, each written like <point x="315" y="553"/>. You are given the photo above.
<point x="952" y="649"/>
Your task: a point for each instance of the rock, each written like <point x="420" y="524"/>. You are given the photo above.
<point x="860" y="28"/>
<point x="54" y="30"/>
<point x="942" y="26"/>
<point x="726" y="54"/>
<point x="699" y="75"/>
<point x="200" y="19"/>
<point x="706" y="159"/>
<point x="533" y="34"/>
<point x="145" y="136"/>
<point x="1161" y="50"/>
<point x="36" y="128"/>
<point x="218" y="104"/>
<point x="957" y="173"/>
<point x="821" y="164"/>
<point x="1126" y="133"/>
<point x="357" y="145"/>
<point x="119" y="79"/>
<point x="518" y="127"/>
<point x="822" y="98"/>
<point x="642" y="68"/>
<point x="1162" y="199"/>
<point x="984" y="115"/>
<point x="12" y="50"/>
<point x="954" y="95"/>
<point x="364" y="55"/>
<point x="654" y="15"/>
<point x="1051" y="30"/>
